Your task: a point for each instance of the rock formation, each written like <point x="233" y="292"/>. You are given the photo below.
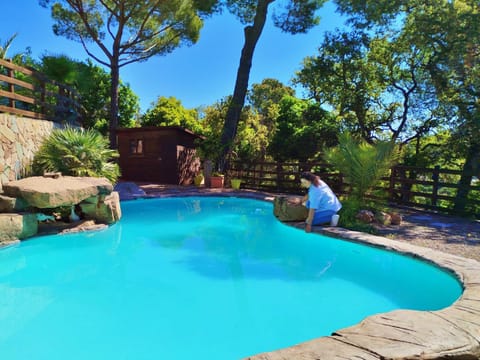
<point x="23" y="200"/>
<point x="48" y="192"/>
<point x="289" y="208"/>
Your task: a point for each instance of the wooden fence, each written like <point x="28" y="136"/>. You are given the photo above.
<point x="427" y="188"/>
<point x="26" y="92"/>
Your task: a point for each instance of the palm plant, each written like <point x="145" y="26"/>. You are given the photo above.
<point x="362" y="164"/>
<point x="6" y="45"/>
<point x="77" y="152"/>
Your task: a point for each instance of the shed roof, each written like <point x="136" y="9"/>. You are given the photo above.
<point x="158" y="129"/>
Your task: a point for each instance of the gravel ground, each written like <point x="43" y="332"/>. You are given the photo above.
<point x="449" y="234"/>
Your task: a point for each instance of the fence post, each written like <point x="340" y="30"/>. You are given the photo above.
<point x="391" y="188"/>
<point x="43" y="97"/>
<point x="278" y="181"/>
<point x="11" y="87"/>
<point x="435" y="178"/>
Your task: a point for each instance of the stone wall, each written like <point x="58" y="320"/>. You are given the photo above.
<point x="20" y="139"/>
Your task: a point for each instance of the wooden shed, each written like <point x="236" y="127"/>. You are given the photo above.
<point x="163" y="155"/>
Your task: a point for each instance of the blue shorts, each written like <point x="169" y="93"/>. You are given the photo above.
<point x="321" y="216"/>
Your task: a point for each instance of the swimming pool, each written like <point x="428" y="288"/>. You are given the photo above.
<point x="216" y="278"/>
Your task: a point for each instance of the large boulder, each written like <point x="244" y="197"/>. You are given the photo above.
<point x="365" y="216"/>
<point x="48" y="192"/>
<point x="17" y="226"/>
<point x="289" y="208"/>
<point x="396" y="218"/>
<point x="383" y="218"/>
<point x="102" y="208"/>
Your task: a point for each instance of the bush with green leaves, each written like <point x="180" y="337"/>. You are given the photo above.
<point x="362" y="164"/>
<point x="77" y="152"/>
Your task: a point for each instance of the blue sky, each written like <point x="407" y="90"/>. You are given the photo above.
<point x="197" y="75"/>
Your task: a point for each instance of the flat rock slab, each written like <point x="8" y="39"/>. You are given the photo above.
<point x="405" y="334"/>
<point x="45" y="192"/>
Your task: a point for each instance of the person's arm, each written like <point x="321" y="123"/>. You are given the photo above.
<point x="304" y="199"/>
<point x="309" y="220"/>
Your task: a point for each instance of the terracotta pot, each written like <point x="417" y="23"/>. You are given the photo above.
<point x="216" y="181"/>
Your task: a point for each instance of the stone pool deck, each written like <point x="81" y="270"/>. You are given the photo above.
<point x="450" y="333"/>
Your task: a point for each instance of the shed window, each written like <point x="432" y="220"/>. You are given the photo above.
<point x="136" y="146"/>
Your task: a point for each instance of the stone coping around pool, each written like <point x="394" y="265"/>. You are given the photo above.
<point x="450" y="333"/>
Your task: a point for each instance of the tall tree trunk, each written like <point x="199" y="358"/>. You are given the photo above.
<point x="470" y="168"/>
<point x="252" y="34"/>
<point x="115" y="75"/>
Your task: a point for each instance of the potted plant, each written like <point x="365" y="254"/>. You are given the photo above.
<point x="216" y="180"/>
<point x="235" y="182"/>
<point x="208" y="149"/>
<point x="198" y="180"/>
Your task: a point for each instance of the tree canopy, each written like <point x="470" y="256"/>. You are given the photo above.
<point x="303" y="129"/>
<point x="170" y="112"/>
<point x="249" y="145"/>
<point x="127" y="31"/>
<point x="93" y="84"/>
<point x="448" y="33"/>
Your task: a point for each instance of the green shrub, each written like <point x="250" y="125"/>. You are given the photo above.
<point x="77" y="152"/>
<point x="362" y="164"/>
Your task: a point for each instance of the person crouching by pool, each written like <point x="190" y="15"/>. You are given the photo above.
<point x="320" y="201"/>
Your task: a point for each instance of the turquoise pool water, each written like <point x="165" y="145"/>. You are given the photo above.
<point x="197" y="278"/>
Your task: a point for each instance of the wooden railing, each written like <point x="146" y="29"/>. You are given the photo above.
<point x="430" y="188"/>
<point x="283" y="176"/>
<point x="426" y="188"/>
<point x="26" y="92"/>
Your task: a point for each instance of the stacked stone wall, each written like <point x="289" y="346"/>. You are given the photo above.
<point x="20" y="139"/>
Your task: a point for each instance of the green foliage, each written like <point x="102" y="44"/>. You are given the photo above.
<point x="302" y="130"/>
<point x="211" y="148"/>
<point x="59" y="68"/>
<point x="93" y="84"/>
<point x="291" y="16"/>
<point x="77" y="152"/>
<point x="433" y="150"/>
<point x="249" y="144"/>
<point x="170" y="112"/>
<point x="341" y="77"/>
<point x="265" y="99"/>
<point x="447" y="34"/>
<point x="361" y="164"/>
<point x="6" y="46"/>
<point x="376" y="83"/>
<point x="140" y="31"/>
